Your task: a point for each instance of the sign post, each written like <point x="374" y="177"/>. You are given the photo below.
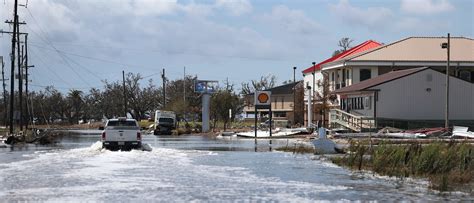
<point x="263" y="101"/>
<point x="206" y="88"/>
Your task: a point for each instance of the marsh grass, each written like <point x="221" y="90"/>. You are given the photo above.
<point x="448" y="166"/>
<point x="297" y="149"/>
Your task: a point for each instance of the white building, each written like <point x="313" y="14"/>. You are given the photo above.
<point x="407" y="53"/>
<point x="405" y="98"/>
<point x="313" y="75"/>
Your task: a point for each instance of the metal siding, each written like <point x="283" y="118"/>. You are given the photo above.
<point x="408" y="98"/>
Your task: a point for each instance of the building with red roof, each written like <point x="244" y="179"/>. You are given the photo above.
<point x="313" y="74"/>
<point x="369" y="44"/>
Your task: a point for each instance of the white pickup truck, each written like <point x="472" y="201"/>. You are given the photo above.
<point x="121" y="133"/>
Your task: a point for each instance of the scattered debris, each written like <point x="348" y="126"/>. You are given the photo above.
<point x="460" y="131"/>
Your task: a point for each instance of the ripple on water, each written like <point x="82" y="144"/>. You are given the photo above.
<point x="93" y="173"/>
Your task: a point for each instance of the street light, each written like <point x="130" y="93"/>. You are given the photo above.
<point x="446" y="45"/>
<point x="294" y="95"/>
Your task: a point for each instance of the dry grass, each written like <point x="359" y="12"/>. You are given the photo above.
<point x="448" y="166"/>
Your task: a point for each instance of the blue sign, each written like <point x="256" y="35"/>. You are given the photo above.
<point x="205" y="86"/>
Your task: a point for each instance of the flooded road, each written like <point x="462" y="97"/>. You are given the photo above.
<point x="190" y="168"/>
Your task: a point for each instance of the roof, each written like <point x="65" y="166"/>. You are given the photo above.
<point x="364" y="85"/>
<point x="367" y="45"/>
<point x="415" y="49"/>
<point x="282" y="89"/>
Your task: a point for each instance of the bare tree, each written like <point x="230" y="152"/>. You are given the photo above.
<point x="324" y="99"/>
<point x="345" y="44"/>
<point x="265" y="82"/>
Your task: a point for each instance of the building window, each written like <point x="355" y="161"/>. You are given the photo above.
<point x="332" y="76"/>
<point x="365" y="74"/>
<point x="280" y="114"/>
<point x="354" y="103"/>
<point x="343" y="78"/>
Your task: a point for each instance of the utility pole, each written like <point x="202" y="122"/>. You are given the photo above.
<point x="124" y="94"/>
<point x="27" y="66"/>
<point x="184" y="86"/>
<point x="20" y="84"/>
<point x="314" y="89"/>
<point x="164" y="88"/>
<point x="227" y="84"/>
<point x="12" y="82"/>
<point x="5" y="106"/>
<point x="447" y="46"/>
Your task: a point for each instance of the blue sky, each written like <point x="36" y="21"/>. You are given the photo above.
<point x="78" y="43"/>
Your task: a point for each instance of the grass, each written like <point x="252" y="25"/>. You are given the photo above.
<point x="297" y="149"/>
<point x="448" y="166"/>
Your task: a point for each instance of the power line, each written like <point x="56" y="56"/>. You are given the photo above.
<point x="47" y="67"/>
<point x="45" y="39"/>
<point x="60" y="87"/>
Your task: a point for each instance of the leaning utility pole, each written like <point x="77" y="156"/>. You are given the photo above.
<point x="164" y="88"/>
<point x="12" y="74"/>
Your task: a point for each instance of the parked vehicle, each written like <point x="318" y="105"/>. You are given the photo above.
<point x="165" y="122"/>
<point x="121" y="133"/>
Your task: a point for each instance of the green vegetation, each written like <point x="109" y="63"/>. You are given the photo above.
<point x="448" y="166"/>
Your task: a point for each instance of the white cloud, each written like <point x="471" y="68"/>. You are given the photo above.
<point x="426" y="7"/>
<point x="154" y="7"/>
<point x="370" y="17"/>
<point x="235" y="7"/>
<point x="293" y="21"/>
<point x="420" y="26"/>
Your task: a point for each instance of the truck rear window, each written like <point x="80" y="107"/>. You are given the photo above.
<point x="166" y="120"/>
<point x="122" y="125"/>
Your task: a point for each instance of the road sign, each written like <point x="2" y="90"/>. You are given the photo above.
<point x="262" y="98"/>
<point x="205" y="86"/>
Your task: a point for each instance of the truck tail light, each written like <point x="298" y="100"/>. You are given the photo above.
<point x="139" y="136"/>
<point x="103" y="135"/>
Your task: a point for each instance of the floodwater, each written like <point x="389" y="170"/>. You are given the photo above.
<point x="191" y="168"/>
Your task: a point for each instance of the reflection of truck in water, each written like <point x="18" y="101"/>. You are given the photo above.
<point x="165" y="122"/>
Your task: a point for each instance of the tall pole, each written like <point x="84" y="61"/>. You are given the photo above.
<point x="5" y="106"/>
<point x="446" y="122"/>
<point x="124" y="94"/>
<point x="20" y="83"/>
<point x="310" y="111"/>
<point x="26" y="82"/>
<point x="12" y="71"/>
<point x="294" y="95"/>
<point x="19" y="63"/>
<point x="184" y="86"/>
<point x="313" y="89"/>
<point x="163" y="77"/>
